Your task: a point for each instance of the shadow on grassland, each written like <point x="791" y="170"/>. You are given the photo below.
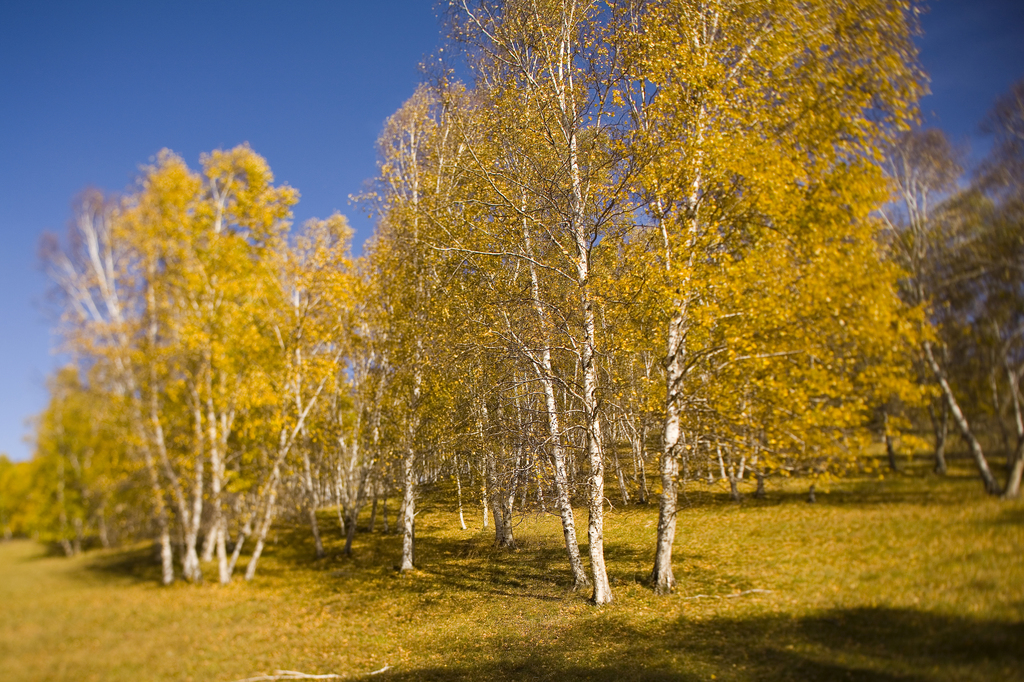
<point x="289" y="545"/>
<point x="914" y="484"/>
<point x="854" y="644"/>
<point x="138" y="564"/>
<point x="1013" y="516"/>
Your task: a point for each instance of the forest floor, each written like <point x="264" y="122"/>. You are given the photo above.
<point x="910" y="577"/>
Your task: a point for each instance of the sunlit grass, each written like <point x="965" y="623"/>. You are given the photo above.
<point x="907" y="578"/>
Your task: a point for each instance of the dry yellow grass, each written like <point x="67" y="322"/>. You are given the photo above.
<point x="909" y="578"/>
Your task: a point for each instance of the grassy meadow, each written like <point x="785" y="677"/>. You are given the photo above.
<point x="910" y="577"/>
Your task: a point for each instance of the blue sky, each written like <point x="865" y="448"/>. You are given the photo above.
<point x="90" y="91"/>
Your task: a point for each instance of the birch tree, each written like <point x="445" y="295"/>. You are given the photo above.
<point x="103" y="317"/>
<point x="744" y="110"/>
<point x="549" y="59"/>
<point x="411" y="186"/>
<point x="308" y="325"/>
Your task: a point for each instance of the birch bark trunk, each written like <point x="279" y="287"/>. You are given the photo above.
<point x="237" y="549"/>
<point x="484" y="492"/>
<point x="408" y="508"/>
<point x="675" y="371"/>
<point x="991" y="486"/>
<point x="458" y="491"/>
<point x="190" y="559"/>
<point x="661" y="576"/>
<point x="1013" y="481"/>
<point x="493" y="499"/>
<point x="409" y="477"/>
<point x="219" y="429"/>
<point x="545" y="373"/>
<point x="312" y="502"/>
<point x="619" y="474"/>
<point x="158" y="441"/>
<point x="561" y="74"/>
<point x="264" y="526"/>
<point x="595" y="527"/>
<point x="101" y="527"/>
<point x="160" y="510"/>
<point x="339" y="496"/>
<point x="284" y="446"/>
<point x="358" y="471"/>
<point x="637" y="440"/>
<point x="190" y="523"/>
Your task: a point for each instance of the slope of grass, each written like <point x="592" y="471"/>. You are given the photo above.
<point x="907" y="578"/>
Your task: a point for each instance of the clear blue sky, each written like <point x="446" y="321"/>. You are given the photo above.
<point x="91" y="90"/>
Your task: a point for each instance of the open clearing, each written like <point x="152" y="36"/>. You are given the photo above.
<point x="906" y="578"/>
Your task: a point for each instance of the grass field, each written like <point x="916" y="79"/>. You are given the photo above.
<point x="907" y="578"/>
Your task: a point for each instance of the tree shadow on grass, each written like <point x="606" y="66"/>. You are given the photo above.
<point x="857" y="644"/>
<point x="138" y="564"/>
<point x="902" y="488"/>
<point x="54" y="549"/>
<point x="289" y="546"/>
<point x="47" y="550"/>
<point x="913" y="484"/>
<point x="1010" y="517"/>
<point x="533" y="570"/>
<point x="841" y="644"/>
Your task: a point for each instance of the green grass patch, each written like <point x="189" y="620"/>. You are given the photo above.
<point x="911" y="577"/>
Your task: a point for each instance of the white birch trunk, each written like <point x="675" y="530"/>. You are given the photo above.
<point x="312" y="502"/>
<point x="595" y="526"/>
<point x="339" y="496"/>
<point x="268" y="518"/>
<point x="619" y="475"/>
<point x="408" y="508"/>
<point x="160" y="510"/>
<point x="545" y="372"/>
<point x="1013" y="481"/>
<point x="285" y="443"/>
<point x="237" y="549"/>
<point x="661" y="575"/>
<point x="637" y="438"/>
<point x="191" y="567"/>
<point x="218" y="450"/>
<point x="458" y="491"/>
<point x="991" y="487"/>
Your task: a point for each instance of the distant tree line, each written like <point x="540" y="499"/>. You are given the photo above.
<point x="641" y="243"/>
